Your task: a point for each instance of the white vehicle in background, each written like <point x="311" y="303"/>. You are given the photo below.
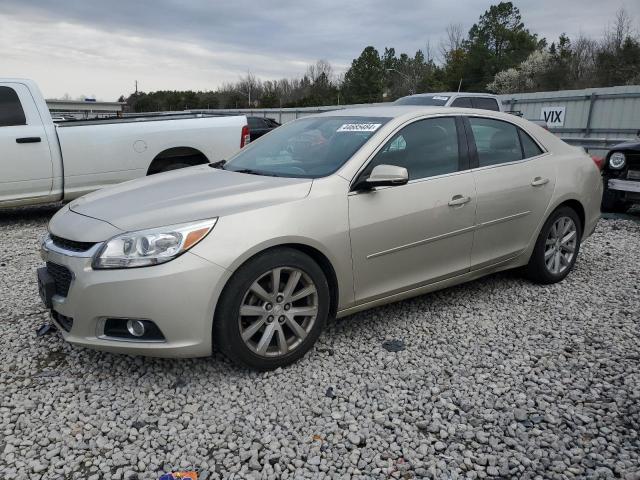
<point x="42" y="162"/>
<point x="482" y="101"/>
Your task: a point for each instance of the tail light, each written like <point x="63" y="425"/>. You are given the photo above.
<point x="245" y="138"/>
<point x="599" y="161"/>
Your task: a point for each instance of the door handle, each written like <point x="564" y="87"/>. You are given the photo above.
<point x="28" y="140"/>
<point x="458" y="200"/>
<point x="539" y="181"/>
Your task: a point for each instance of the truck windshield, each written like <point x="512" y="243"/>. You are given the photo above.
<point x="308" y="148"/>
<point x="428" y="100"/>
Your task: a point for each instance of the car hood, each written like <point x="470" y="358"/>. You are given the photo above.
<point x="632" y="145"/>
<point x="186" y="195"/>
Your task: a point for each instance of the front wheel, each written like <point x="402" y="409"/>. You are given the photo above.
<point x="556" y="248"/>
<point x="272" y="310"/>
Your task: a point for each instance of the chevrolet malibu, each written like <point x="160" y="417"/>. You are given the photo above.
<point x="323" y="217"/>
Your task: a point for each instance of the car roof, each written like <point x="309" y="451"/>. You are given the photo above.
<point x="394" y="111"/>
<point x="452" y="94"/>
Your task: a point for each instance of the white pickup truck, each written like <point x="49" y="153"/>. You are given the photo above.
<point x="42" y="162"/>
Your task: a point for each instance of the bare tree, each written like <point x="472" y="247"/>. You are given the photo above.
<point x="582" y="63"/>
<point x="453" y="40"/>
<point x="615" y="34"/>
<point x="322" y="66"/>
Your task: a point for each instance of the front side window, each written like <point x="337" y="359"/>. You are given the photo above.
<point x="496" y="141"/>
<point x="11" y="112"/>
<point x="426" y="148"/>
<point x="308" y="148"/>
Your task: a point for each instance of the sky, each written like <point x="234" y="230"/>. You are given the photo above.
<point x="98" y="49"/>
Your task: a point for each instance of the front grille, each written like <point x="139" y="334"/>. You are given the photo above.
<point x="65" y="322"/>
<point x="633" y="160"/>
<point x="61" y="276"/>
<point x="633" y="175"/>
<point x="71" y="245"/>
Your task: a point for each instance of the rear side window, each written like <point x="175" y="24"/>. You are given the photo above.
<point x="485" y="103"/>
<point x="496" y="141"/>
<point x="426" y="148"/>
<point x="529" y="147"/>
<point x="11" y="112"/>
<point x="462" y="102"/>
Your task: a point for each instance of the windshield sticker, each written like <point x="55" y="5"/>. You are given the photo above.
<point x="437" y="97"/>
<point x="359" y="127"/>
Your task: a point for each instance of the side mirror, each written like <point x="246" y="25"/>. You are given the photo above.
<point x="384" y="176"/>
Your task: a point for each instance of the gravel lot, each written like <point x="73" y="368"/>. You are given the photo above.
<point x="499" y="378"/>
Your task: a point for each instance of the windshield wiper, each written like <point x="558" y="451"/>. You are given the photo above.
<point x="219" y="164"/>
<point x="254" y="172"/>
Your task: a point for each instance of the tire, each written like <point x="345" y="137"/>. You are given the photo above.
<point x="538" y="269"/>
<point x="272" y="323"/>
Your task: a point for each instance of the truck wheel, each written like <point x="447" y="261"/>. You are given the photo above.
<point x="272" y="310"/>
<point x="556" y="248"/>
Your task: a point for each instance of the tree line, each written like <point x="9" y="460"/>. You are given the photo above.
<point x="498" y="54"/>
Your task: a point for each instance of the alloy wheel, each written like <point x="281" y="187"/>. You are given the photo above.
<point x="560" y="245"/>
<point x="278" y="311"/>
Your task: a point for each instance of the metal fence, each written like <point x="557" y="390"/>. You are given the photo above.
<point x="594" y="118"/>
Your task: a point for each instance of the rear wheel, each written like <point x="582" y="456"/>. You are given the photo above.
<point x="272" y="310"/>
<point x="556" y="248"/>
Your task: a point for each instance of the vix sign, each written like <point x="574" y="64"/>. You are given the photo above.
<point x="554" y="116"/>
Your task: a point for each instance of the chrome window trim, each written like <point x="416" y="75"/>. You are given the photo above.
<point x="411" y="182"/>
<point x="505" y="164"/>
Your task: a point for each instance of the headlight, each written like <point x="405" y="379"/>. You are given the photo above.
<point x="617" y="160"/>
<point x="151" y="247"/>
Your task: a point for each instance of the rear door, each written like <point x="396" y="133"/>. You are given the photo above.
<point x="410" y="235"/>
<point x="514" y="180"/>
<point x="26" y="168"/>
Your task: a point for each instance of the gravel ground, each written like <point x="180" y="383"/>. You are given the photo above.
<point x="496" y="378"/>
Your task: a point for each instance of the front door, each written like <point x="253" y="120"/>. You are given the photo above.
<point x="26" y="170"/>
<point x="410" y="235"/>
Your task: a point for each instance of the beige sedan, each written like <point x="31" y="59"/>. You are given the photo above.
<point x="323" y="217"/>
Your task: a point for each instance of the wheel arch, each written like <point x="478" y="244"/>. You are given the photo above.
<point x="182" y="154"/>
<point x="577" y="206"/>
<point x="316" y="255"/>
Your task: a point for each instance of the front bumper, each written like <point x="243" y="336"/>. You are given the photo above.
<point x="178" y="296"/>
<point x="624" y="185"/>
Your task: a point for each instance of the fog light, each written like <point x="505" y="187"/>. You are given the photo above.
<point x="135" y="328"/>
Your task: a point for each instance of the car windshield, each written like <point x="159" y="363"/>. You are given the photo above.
<point x="428" y="100"/>
<point x="309" y="148"/>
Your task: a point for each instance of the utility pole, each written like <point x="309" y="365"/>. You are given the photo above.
<point x="136" y="87"/>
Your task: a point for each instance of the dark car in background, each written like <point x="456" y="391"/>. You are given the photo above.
<point x="258" y="126"/>
<point x="621" y="174"/>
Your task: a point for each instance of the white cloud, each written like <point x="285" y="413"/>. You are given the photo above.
<point x="92" y="47"/>
<point x="77" y="59"/>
